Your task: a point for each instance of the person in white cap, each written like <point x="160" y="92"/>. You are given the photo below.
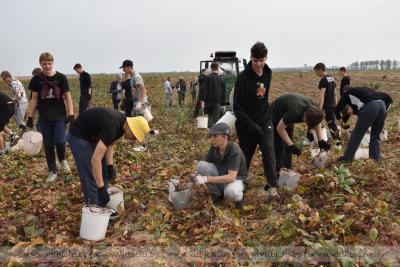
<point x="224" y="169"/>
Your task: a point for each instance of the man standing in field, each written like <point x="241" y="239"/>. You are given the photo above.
<point x="181" y="87"/>
<point x="168" y="92"/>
<point x="345" y="80"/>
<point x="50" y="92"/>
<point x="20" y="99"/>
<point x="92" y="138"/>
<point x="201" y="80"/>
<point x="254" y="120"/>
<point x="193" y="90"/>
<point x="213" y="95"/>
<point x="133" y="89"/>
<point x="85" y="82"/>
<point x="327" y="98"/>
<point x="287" y="110"/>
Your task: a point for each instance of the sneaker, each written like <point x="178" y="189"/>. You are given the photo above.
<point x="272" y="192"/>
<point x="65" y="166"/>
<point x="239" y="205"/>
<point x="114" y="214"/>
<point x="52" y="176"/>
<point x="140" y="149"/>
<point x="14" y="140"/>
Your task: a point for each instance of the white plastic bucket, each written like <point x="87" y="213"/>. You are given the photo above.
<point x="149" y="108"/>
<point x="147" y="115"/>
<point x="32" y="142"/>
<point x="179" y="199"/>
<point x="365" y="140"/>
<point x="94" y="223"/>
<point x="288" y="179"/>
<point x="362" y="153"/>
<point x="116" y="197"/>
<point x="202" y="122"/>
<point x="229" y="118"/>
<point x="319" y="157"/>
<point x="384" y="135"/>
<point x="324" y="135"/>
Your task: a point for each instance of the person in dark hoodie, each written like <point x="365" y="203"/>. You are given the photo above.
<point x="213" y="95"/>
<point x="253" y="115"/>
<point x="371" y="107"/>
<point x="181" y="87"/>
<point x="345" y="79"/>
<point x="201" y="81"/>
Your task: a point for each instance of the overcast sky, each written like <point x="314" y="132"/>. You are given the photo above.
<point x="174" y="35"/>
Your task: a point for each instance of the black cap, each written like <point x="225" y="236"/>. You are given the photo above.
<point x="126" y="63"/>
<point x="220" y="128"/>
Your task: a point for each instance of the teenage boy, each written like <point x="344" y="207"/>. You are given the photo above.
<point x="252" y="110"/>
<point x="287" y="110"/>
<point x="133" y="89"/>
<point x="213" y="95"/>
<point x="327" y="98"/>
<point x="50" y="92"/>
<point x="224" y="169"/>
<point x="20" y="99"/>
<point x="345" y="79"/>
<point x="371" y="107"/>
<point x="92" y="138"/>
<point x="6" y="112"/>
<point x="85" y="82"/>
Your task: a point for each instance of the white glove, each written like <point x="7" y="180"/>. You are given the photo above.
<point x="200" y="179"/>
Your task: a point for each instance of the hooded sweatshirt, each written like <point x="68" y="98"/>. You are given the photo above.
<point x="250" y="105"/>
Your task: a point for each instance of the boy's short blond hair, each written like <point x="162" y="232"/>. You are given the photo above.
<point x="5" y="74"/>
<point x="46" y="56"/>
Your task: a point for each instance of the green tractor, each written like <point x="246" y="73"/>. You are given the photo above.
<point x="230" y="66"/>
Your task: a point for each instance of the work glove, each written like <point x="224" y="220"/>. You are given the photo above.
<point x="322" y="144"/>
<point x="294" y="150"/>
<point x="345" y="126"/>
<point x="111" y="173"/>
<point x="70" y="119"/>
<point x="310" y="136"/>
<point x="200" y="179"/>
<point x="104" y="194"/>
<point x="29" y="122"/>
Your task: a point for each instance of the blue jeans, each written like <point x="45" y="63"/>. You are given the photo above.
<point x="83" y="150"/>
<point x="53" y="136"/>
<point x="373" y="115"/>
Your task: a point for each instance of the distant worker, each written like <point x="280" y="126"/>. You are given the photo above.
<point x="181" y="87"/>
<point x="193" y="89"/>
<point x="213" y="94"/>
<point x="168" y="92"/>
<point x="345" y="80"/>
<point x="116" y="91"/>
<point x="85" y="82"/>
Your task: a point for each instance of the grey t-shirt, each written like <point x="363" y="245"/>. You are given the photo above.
<point x="233" y="160"/>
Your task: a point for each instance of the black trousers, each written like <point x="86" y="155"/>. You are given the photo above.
<point x="213" y="111"/>
<point x="181" y="97"/>
<point x="331" y="121"/>
<point x="283" y="157"/>
<point x="248" y="143"/>
<point x="84" y="103"/>
<point x="128" y="105"/>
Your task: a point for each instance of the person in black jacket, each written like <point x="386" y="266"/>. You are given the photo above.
<point x="116" y="91"/>
<point x="252" y="110"/>
<point x="85" y="82"/>
<point x="345" y="79"/>
<point x="371" y="107"/>
<point x="213" y="95"/>
<point x="181" y="87"/>
<point x="201" y="81"/>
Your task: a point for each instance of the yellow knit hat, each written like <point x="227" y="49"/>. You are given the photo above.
<point x="138" y="126"/>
